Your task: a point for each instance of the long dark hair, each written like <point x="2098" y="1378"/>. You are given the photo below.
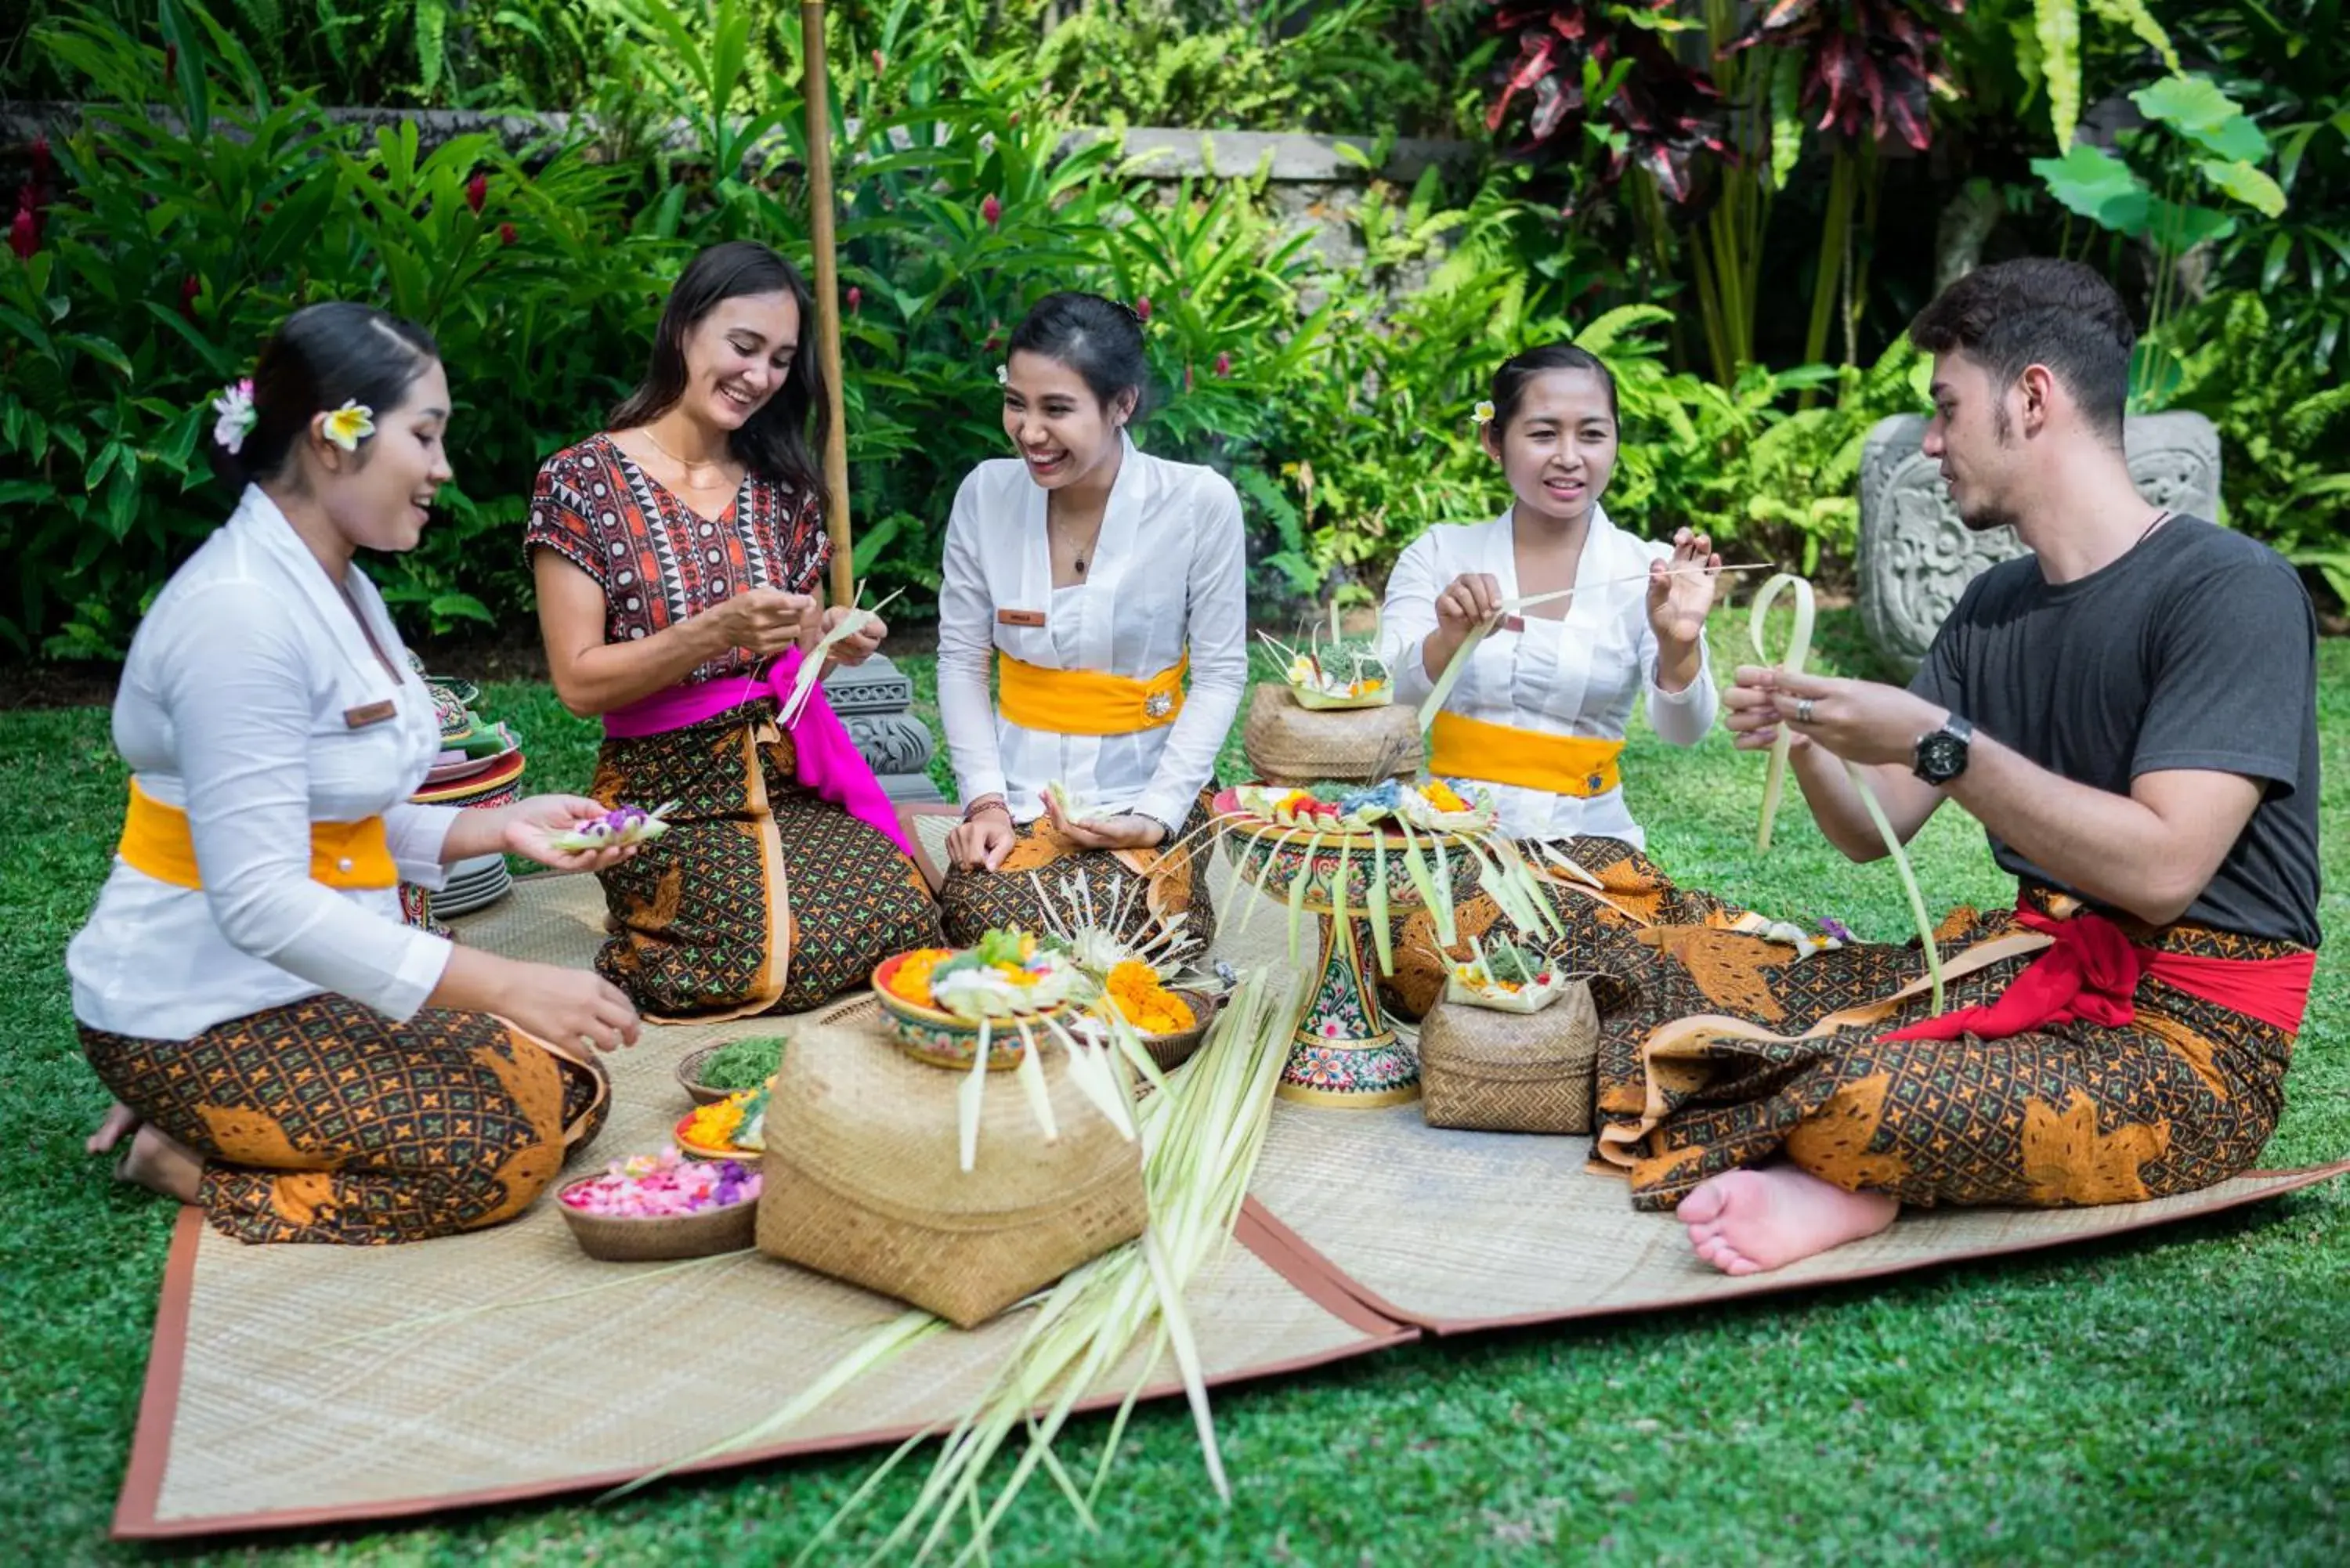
<point x="780" y="442"/>
<point x="1098" y="339"/>
<point x="1509" y="382"/>
<point x="321" y="358"/>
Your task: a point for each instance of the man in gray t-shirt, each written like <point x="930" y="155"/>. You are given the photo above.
<point x="2130" y="711"/>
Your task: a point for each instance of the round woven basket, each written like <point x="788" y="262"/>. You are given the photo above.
<point x="631" y="1240"/>
<point x="1171" y="1051"/>
<point x="1289" y="744"/>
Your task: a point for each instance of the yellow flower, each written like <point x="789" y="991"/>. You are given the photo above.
<point x="349" y="425"/>
<point x="1483" y="413"/>
<point x="911" y="979"/>
<point x="1135" y="991"/>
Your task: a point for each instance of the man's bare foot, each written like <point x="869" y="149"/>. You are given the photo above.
<point x="1744" y="1221"/>
<point x="121" y="1119"/>
<point x="158" y="1161"/>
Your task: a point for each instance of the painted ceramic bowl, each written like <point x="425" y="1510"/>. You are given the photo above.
<point x="944" y="1039"/>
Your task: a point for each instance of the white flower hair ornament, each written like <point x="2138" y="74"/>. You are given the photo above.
<point x="1003" y="375"/>
<point x="349" y="425"/>
<point x="1483" y="413"/>
<point x="237" y="416"/>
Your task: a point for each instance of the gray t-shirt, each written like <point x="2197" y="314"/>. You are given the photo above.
<point x="2198" y="650"/>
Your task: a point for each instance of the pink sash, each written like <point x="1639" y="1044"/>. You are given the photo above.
<point x="829" y="764"/>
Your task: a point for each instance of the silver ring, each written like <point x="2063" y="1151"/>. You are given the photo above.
<point x="1803" y="709"/>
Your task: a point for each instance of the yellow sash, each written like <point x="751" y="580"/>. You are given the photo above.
<point x="1087" y="702"/>
<point x="1502" y="753"/>
<point x="155" y="840"/>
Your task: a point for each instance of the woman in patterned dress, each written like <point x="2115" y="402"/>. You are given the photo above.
<point x="1539" y="716"/>
<point x="287" y="1054"/>
<point x="1090" y="579"/>
<point x="679" y="561"/>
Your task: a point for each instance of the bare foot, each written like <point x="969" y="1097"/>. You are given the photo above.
<point x="1744" y="1221"/>
<point x="118" y="1121"/>
<point x="158" y="1161"/>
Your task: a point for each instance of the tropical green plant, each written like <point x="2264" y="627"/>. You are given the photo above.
<point x="2284" y="424"/>
<point x="2205" y="146"/>
<point x="176" y="244"/>
<point x="1349" y="66"/>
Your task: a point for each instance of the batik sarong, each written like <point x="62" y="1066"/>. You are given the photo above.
<point x="1598" y="923"/>
<point x="1136" y="894"/>
<point x="761" y="898"/>
<point x="324" y="1121"/>
<point x="1735" y="1053"/>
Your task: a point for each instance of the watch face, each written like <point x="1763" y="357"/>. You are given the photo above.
<point x="1941" y="756"/>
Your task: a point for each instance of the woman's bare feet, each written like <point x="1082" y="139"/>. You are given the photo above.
<point x="1744" y="1221"/>
<point x="121" y="1119"/>
<point x="161" y="1162"/>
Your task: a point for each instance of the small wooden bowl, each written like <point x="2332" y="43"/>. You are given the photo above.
<point x="688" y="1074"/>
<point x="1171" y="1051"/>
<point x="632" y="1239"/>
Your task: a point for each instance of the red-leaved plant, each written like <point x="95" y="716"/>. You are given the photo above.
<point x="1597" y="65"/>
<point x="1870" y="65"/>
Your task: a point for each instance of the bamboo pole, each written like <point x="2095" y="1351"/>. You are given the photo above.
<point x="827" y="296"/>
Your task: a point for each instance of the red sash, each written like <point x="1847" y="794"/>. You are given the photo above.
<point x="2093" y="971"/>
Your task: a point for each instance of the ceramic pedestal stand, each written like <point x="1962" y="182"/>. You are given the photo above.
<point x="1343" y="1054"/>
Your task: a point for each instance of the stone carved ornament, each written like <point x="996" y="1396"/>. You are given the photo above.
<point x="1917" y="557"/>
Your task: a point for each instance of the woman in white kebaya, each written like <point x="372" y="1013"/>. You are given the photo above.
<point x="283" y="1051"/>
<point x="1103" y="588"/>
<point x="1538" y="716"/>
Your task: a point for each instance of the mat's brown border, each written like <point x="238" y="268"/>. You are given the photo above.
<point x="922" y="861"/>
<point x="150" y="1443"/>
<point x="1271" y="1233"/>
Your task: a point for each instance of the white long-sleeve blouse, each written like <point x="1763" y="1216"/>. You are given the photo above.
<point x="1168" y="577"/>
<point x="1572" y="676"/>
<point x="247" y="702"/>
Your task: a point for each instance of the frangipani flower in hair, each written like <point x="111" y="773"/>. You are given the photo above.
<point x="237" y="417"/>
<point x="351" y="425"/>
<point x="1483" y="412"/>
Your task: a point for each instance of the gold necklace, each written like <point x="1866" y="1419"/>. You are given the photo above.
<point x="691" y="482"/>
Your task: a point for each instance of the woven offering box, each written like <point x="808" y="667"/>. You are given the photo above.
<point x="1491" y="1071"/>
<point x="1290" y="745"/>
<point x="863" y="1180"/>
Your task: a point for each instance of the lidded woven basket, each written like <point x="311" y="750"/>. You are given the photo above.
<point x="863" y="1180"/>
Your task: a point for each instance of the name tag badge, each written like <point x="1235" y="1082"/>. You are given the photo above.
<point x="372" y="713"/>
<point x="1019" y="617"/>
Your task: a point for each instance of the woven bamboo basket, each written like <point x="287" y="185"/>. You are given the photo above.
<point x="1510" y="1072"/>
<point x="1171" y="1051"/>
<point x="863" y="1180"/>
<point x="617" y="1239"/>
<point x="1288" y="744"/>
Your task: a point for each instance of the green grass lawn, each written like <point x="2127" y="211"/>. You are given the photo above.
<point x="2180" y="1398"/>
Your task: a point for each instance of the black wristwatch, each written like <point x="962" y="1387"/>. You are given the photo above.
<point x="1941" y="756"/>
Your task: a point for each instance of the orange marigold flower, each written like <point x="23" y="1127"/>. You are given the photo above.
<point x="1136" y="992"/>
<point x="911" y="980"/>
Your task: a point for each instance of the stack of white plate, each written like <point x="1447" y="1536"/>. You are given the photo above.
<point x="474" y="884"/>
